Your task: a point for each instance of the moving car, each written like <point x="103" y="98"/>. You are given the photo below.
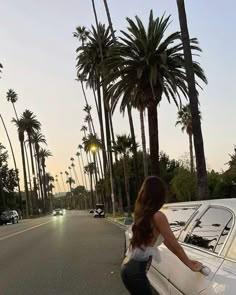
<point x="9" y="216"/>
<point x="99" y="211"/>
<point x="57" y="211"/>
<point x="207" y="232"/>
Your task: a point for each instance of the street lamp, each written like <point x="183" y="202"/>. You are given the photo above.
<point x="93" y="149"/>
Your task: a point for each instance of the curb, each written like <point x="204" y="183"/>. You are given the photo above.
<point x="116" y="222"/>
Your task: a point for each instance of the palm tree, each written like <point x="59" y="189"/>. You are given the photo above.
<point x="12" y="97"/>
<point x="193" y="99"/>
<point x="49" y="185"/>
<point x="31" y="125"/>
<point x="90" y="58"/>
<point x="149" y="66"/>
<point x="1" y="68"/>
<point x="14" y="160"/>
<point x="63" y="182"/>
<point x="71" y="181"/>
<point x="92" y="144"/>
<point x="21" y="130"/>
<point x="89" y="169"/>
<point x="38" y="138"/>
<point x="43" y="155"/>
<point x="123" y="146"/>
<point x="185" y="120"/>
<point x="129" y="110"/>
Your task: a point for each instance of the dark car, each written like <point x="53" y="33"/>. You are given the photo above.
<point x="9" y="216"/>
<point x="99" y="211"/>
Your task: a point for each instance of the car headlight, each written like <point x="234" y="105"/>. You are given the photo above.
<point x="54" y="212"/>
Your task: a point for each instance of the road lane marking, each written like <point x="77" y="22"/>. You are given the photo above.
<point x="22" y="231"/>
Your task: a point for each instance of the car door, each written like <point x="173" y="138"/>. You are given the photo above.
<point x="159" y="271"/>
<point x="225" y="278"/>
<point x="202" y="241"/>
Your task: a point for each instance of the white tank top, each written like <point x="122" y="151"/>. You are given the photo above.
<point x="144" y="253"/>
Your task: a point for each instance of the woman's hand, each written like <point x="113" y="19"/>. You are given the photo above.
<point x="195" y="265"/>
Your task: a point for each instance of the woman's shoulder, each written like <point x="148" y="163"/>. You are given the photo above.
<point x="159" y="215"/>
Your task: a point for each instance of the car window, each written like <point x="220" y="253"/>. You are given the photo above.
<point x="178" y="217"/>
<point x="211" y="230"/>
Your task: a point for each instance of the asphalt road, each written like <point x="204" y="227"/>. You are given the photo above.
<point x="63" y="255"/>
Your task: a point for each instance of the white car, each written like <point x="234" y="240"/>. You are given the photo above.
<point x="207" y="232"/>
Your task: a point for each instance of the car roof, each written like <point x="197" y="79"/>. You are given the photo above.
<point x="230" y="203"/>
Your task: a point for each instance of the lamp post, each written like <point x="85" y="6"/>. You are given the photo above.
<point x="93" y="149"/>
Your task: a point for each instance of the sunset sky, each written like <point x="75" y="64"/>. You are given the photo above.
<point x="37" y="51"/>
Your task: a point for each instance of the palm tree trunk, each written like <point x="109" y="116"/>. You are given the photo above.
<point x="91" y="188"/>
<point x="14" y="160"/>
<point x="193" y="99"/>
<point x="145" y="164"/>
<point x="104" y="156"/>
<point x="109" y="21"/>
<point x="134" y="149"/>
<point x="153" y="139"/>
<point x="127" y="185"/>
<point x="25" y="178"/>
<point x="45" y="186"/>
<point x="40" y="178"/>
<point x="96" y="177"/>
<point x="191" y="152"/>
<point x="33" y="170"/>
<point x="29" y="178"/>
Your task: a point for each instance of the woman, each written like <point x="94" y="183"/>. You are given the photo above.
<point x="150" y="227"/>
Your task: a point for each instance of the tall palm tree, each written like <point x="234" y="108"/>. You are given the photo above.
<point x="123" y="146"/>
<point x="89" y="169"/>
<point x="21" y="130"/>
<point x="92" y="144"/>
<point x="193" y="99"/>
<point x="14" y="160"/>
<point x="150" y="67"/>
<point x="38" y="138"/>
<point x="12" y="97"/>
<point x="185" y="120"/>
<point x="129" y="110"/>
<point x="43" y="155"/>
<point x="32" y="125"/>
<point x="63" y="182"/>
<point x="70" y="182"/>
<point x="49" y="185"/>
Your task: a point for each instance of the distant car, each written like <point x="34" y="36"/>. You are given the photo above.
<point x="91" y="211"/>
<point x="9" y="216"/>
<point x="57" y="212"/>
<point x="99" y="211"/>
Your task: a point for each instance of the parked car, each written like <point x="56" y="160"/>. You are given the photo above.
<point x="207" y="232"/>
<point x="91" y="211"/>
<point x="57" y="211"/>
<point x="9" y="216"/>
<point x="99" y="211"/>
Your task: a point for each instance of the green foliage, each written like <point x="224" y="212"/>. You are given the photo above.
<point x="184" y="185"/>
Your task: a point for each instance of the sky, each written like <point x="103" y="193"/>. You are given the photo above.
<point x="37" y="51"/>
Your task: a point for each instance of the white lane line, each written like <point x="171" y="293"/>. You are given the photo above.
<point x="22" y="231"/>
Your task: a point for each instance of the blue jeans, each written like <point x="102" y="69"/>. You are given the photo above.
<point x="134" y="277"/>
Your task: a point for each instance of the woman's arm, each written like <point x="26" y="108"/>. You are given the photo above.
<point x="162" y="225"/>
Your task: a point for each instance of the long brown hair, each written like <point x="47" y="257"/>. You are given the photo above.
<point x="151" y="198"/>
